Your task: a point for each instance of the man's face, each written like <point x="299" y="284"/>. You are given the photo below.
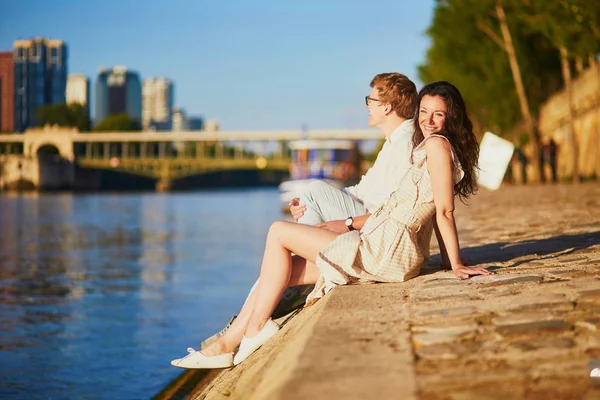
<point x="376" y="108"/>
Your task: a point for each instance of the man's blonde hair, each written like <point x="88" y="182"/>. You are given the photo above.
<point x="398" y="91"/>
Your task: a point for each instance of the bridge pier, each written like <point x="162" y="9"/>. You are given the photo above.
<point x="164" y="181"/>
<point x="163" y="185"/>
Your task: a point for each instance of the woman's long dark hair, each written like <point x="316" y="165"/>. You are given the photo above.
<point x="459" y="131"/>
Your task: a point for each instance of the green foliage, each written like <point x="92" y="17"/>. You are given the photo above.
<point x="118" y="122"/>
<point x="72" y="115"/>
<point x="572" y="24"/>
<point x="467" y="50"/>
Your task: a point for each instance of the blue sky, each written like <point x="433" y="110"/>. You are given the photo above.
<point x="249" y="64"/>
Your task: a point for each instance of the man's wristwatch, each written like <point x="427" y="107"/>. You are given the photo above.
<point x="349" y="222"/>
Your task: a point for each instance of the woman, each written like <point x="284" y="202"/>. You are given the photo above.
<point x="388" y="246"/>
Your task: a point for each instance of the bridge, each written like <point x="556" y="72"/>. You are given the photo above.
<point x="164" y="156"/>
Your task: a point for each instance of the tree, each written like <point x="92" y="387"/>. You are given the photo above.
<point x="118" y="122"/>
<point x="485" y="48"/>
<point x="572" y="28"/>
<point x="72" y="115"/>
<point x="506" y="44"/>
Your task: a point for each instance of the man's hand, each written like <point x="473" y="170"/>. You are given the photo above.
<point x="296" y="209"/>
<point x="338" y="226"/>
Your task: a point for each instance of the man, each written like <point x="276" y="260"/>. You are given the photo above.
<point x="391" y="104"/>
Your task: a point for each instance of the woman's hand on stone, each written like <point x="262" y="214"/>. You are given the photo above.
<point x="464" y="272"/>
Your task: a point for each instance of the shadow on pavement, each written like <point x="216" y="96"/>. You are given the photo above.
<point x="536" y="249"/>
<point x="186" y="383"/>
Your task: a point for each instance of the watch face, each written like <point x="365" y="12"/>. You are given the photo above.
<point x="349" y="222"/>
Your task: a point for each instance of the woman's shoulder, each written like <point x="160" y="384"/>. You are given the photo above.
<point x="436" y="144"/>
<point x="438" y="148"/>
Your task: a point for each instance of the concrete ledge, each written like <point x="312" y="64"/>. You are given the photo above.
<point x="354" y="343"/>
<point x="532" y="331"/>
<point x="512" y="335"/>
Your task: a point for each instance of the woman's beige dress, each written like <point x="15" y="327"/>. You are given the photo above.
<point x="394" y="242"/>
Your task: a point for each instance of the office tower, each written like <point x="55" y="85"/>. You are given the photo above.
<point x="179" y="120"/>
<point x="212" y="125"/>
<point x="118" y="90"/>
<point x="7" y="92"/>
<point x="157" y="104"/>
<point x="195" y="123"/>
<point x="40" y="73"/>
<point x="78" y="89"/>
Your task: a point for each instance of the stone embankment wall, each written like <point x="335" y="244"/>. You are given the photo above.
<point x="18" y="172"/>
<point x="554" y="123"/>
<point x="529" y="332"/>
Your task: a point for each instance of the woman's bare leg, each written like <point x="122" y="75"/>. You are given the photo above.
<point x="276" y="270"/>
<point x="233" y="335"/>
<point x="303" y="273"/>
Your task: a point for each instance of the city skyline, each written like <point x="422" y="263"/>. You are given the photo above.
<point x="250" y="66"/>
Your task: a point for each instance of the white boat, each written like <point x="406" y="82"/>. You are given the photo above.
<point x="333" y="161"/>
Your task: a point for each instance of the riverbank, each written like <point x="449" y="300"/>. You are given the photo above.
<point x="531" y="331"/>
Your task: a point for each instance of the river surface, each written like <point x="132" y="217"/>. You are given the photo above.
<point x="99" y="292"/>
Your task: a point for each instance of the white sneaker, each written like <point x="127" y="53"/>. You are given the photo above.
<point x="250" y="345"/>
<point x="197" y="360"/>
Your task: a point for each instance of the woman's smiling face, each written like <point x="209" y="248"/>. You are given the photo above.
<point x="432" y="114"/>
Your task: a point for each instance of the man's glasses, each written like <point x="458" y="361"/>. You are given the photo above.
<point x="367" y="99"/>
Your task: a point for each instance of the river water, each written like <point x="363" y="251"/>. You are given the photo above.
<point x="99" y="292"/>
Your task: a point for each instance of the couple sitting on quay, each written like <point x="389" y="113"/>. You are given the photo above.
<point x="376" y="231"/>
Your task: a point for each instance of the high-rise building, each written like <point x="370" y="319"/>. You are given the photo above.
<point x="7" y="92"/>
<point x="78" y="89"/>
<point x="40" y="77"/>
<point x="179" y="120"/>
<point x="118" y="90"/>
<point x="157" y="104"/>
<point x="195" y="123"/>
<point x="212" y="125"/>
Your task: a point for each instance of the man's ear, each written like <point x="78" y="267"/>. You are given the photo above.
<point x="388" y="109"/>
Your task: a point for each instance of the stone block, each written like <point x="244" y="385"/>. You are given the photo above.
<point x="428" y="335"/>
<point x="543" y="343"/>
<point x="553" y="302"/>
<point x="447" y="312"/>
<point x="589" y="296"/>
<point x="521" y="318"/>
<point x="448" y="351"/>
<point x="590" y="324"/>
<point x="534" y="328"/>
<point x="511" y="280"/>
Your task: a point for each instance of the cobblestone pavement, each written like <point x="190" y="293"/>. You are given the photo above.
<point x="529" y="332"/>
<point x="532" y="330"/>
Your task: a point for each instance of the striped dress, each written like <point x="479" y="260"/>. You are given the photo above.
<point x="394" y="242"/>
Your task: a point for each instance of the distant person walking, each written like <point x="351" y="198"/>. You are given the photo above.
<point x="551" y="159"/>
<point x="522" y="160"/>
